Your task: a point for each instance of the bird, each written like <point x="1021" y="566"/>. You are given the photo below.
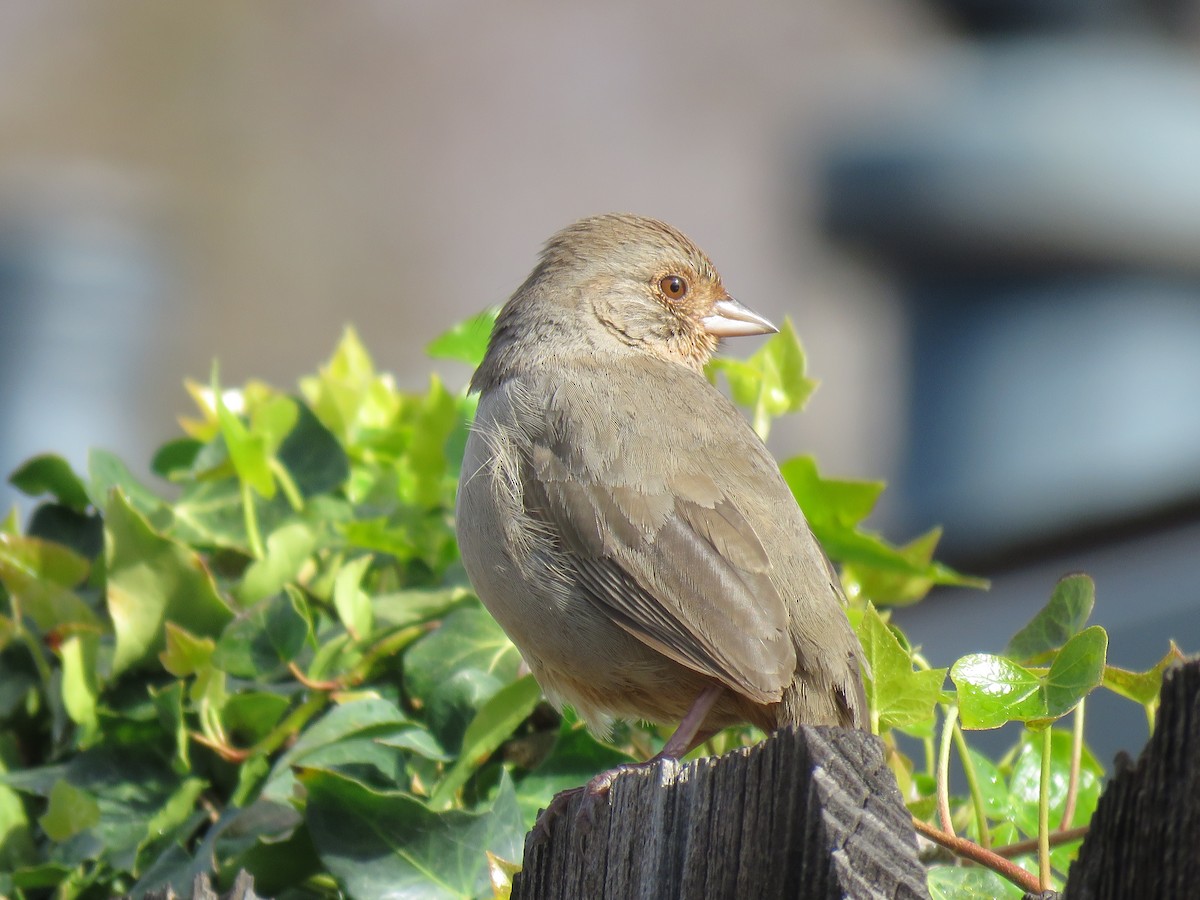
<point x="623" y="522"/>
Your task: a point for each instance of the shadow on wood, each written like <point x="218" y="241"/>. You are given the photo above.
<point x="1144" y="839"/>
<point x="808" y="813"/>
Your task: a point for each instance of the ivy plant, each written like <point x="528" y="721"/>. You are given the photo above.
<point x="264" y="655"/>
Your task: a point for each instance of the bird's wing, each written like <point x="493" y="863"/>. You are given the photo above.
<point x="661" y="546"/>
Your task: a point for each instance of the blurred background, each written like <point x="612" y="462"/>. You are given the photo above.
<point x="982" y="215"/>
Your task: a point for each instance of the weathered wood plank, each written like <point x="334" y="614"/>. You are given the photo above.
<point x="1144" y="839"/>
<point x="809" y="813"/>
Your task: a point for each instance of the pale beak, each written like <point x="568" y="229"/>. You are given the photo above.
<point x="731" y="319"/>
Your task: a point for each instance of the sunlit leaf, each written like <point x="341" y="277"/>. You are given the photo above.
<point x="898" y="695"/>
<point x="467" y="341"/>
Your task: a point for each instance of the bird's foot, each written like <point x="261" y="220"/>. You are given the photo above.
<point x="556" y="807"/>
<point x="595" y="794"/>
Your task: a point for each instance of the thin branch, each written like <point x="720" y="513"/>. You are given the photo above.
<point x="976" y="854"/>
<point x="1008" y="851"/>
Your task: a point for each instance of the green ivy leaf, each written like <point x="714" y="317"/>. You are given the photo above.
<point x="1063" y="617"/>
<point x="185" y="654"/>
<point x="80" y="687"/>
<point x="288" y="548"/>
<point x="771" y="382"/>
<point x="467" y="341"/>
<point x="51" y="474"/>
<point x="175" y="459"/>
<point x="353" y="604"/>
<point x="17" y="848"/>
<point x="959" y="883"/>
<point x="1024" y="785"/>
<point x="313" y="455"/>
<point x="993" y="690"/>
<point x="495" y="721"/>
<point x="834" y="509"/>
<point x="829" y="501"/>
<point x="249" y="716"/>
<point x="898" y="695"/>
<point x="70" y="812"/>
<point x="349" y="733"/>
<point x="153" y="580"/>
<point x="576" y="757"/>
<point x="468" y="638"/>
<point x="106" y="473"/>
<point x="263" y="638"/>
<point x="38" y="576"/>
<point x="1141" y="687"/>
<point x="386" y="842"/>
<point x="1077" y="670"/>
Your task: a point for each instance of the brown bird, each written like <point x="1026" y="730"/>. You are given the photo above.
<point x="622" y="521"/>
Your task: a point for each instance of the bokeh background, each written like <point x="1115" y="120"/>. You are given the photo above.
<point x="982" y="215"/>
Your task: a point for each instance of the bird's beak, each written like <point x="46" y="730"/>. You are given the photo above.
<point x="731" y="319"/>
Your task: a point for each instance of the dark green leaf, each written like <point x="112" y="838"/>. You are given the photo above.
<point x="378" y="843"/>
<point x="176" y="458"/>
<point x="313" y="456"/>
<point x="368" y="717"/>
<point x="51" y="474"/>
<point x="576" y="757"/>
<point x="1077" y="670"/>
<point x="495" y="722"/>
<point x="263" y="638"/>
<point x="81" y="532"/>
<point x="468" y="638"/>
<point x="249" y="716"/>
<point x="1059" y="620"/>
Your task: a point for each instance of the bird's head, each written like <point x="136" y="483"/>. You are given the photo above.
<point x="647" y="285"/>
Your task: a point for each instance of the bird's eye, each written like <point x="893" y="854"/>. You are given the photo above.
<point x="674" y="287"/>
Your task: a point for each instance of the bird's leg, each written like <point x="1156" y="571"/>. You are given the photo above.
<point x="687" y="735"/>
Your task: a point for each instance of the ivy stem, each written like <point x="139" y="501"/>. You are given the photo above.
<point x="1044" y="814"/>
<point x="284" y="477"/>
<point x="1076" y="760"/>
<point x="943" y="771"/>
<point x="251" y="516"/>
<point x="960" y="742"/>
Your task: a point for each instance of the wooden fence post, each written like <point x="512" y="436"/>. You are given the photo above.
<point x="1144" y="839"/>
<point x="808" y="813"/>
